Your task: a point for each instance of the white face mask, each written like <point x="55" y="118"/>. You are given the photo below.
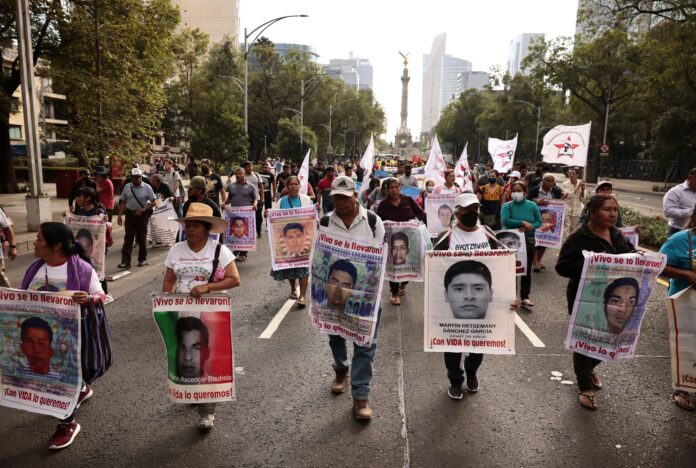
<point x="517" y="196"/>
<point x="429" y="188"/>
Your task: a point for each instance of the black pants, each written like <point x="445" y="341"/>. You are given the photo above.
<point x="583" y="366"/>
<point x="136" y="229"/>
<point x="259" y="218"/>
<point x="526" y="280"/>
<point x="394" y="287"/>
<point x="453" y="363"/>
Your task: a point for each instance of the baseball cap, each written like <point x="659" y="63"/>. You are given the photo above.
<point x="602" y="183"/>
<point x="245" y="163"/>
<point x="466" y="199"/>
<point x="136" y="172"/>
<point x="200" y="182"/>
<point x="343" y="185"/>
<point x="516" y="174"/>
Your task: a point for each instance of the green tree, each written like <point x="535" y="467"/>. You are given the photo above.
<point x="289" y="140"/>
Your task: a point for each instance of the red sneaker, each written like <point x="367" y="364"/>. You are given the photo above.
<point x="64" y="435"/>
<point x="85" y="394"/>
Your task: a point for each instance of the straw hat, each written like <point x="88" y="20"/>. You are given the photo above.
<point x="204" y="213"/>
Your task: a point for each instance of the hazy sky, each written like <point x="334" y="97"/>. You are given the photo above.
<point x="479" y="31"/>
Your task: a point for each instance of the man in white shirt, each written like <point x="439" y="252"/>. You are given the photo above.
<point x="6" y="235"/>
<point x="349" y="219"/>
<point x="575" y="190"/>
<point x="678" y="203"/>
<point x="173" y="180"/>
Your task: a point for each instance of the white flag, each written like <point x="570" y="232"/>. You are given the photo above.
<point x="304" y="174"/>
<point x="503" y="153"/>
<point x="436" y="166"/>
<point x="367" y="163"/>
<point x="567" y="145"/>
<point x="462" y="173"/>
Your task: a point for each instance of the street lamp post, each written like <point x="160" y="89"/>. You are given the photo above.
<point x="538" y="111"/>
<point x="301" y="116"/>
<point x="247" y="48"/>
<point x="329" y="150"/>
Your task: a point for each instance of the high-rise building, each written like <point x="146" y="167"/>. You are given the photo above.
<point x="216" y="18"/>
<point x="519" y="49"/>
<point x="282" y="49"/>
<point x="439" y="81"/>
<point x="471" y="80"/>
<point x="354" y="72"/>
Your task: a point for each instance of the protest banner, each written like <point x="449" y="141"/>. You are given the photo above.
<point x="346" y="286"/>
<point x="514" y="239"/>
<point x="467" y="301"/>
<point x="197" y="335"/>
<point x="436" y="165"/>
<point x="90" y="232"/>
<point x="161" y="228"/>
<point x="241" y="228"/>
<point x="610" y="303"/>
<point x="405" y="251"/>
<point x="550" y="234"/>
<point x="40" y="366"/>
<point x="291" y="234"/>
<point x="502" y="153"/>
<point x="682" y="339"/>
<point x="462" y="171"/>
<point x="413" y="192"/>
<point x="631" y="233"/>
<point x="439" y="208"/>
<point x="566" y="144"/>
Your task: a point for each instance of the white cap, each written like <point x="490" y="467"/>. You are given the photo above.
<point x="466" y="199"/>
<point x="136" y="172"/>
<point x="516" y="174"/>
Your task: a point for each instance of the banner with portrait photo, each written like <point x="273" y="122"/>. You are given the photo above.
<point x="406" y="253"/>
<point x="241" y="228"/>
<point x="291" y="234"/>
<point x="550" y="233"/>
<point x="40" y="364"/>
<point x="439" y="209"/>
<point x="611" y="302"/>
<point x="346" y="286"/>
<point x="161" y="227"/>
<point x="90" y="232"/>
<point x="631" y="233"/>
<point x="682" y="339"/>
<point x="515" y="240"/>
<point x="467" y="301"/>
<point x="197" y="335"/>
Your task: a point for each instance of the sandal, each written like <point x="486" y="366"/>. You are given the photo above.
<point x="587" y="400"/>
<point x="395" y="300"/>
<point x="292" y="296"/>
<point x="594" y="379"/>
<point x="683" y="400"/>
<point x="302" y="303"/>
<point x="402" y="290"/>
<point x="515" y="305"/>
<point x="527" y="304"/>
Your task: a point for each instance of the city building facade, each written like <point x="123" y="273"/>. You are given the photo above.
<point x="519" y="49"/>
<point x="216" y="18"/>
<point x="353" y="71"/>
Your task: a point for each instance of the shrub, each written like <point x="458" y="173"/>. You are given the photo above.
<point x="653" y="229"/>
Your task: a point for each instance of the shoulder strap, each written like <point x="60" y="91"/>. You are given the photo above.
<point x="216" y="262"/>
<point x="372" y="221"/>
<point x="136" y="197"/>
<point x="492" y="240"/>
<point x="444" y="238"/>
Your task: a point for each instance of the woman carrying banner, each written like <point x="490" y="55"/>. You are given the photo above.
<point x="524" y="215"/>
<point x="199" y="266"/>
<point x="598" y="235"/>
<point x="87" y="204"/>
<point x="681" y="271"/>
<point x="398" y="207"/>
<point x="294" y="199"/>
<point x="64" y="266"/>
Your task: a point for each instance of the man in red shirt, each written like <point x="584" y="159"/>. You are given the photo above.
<point x="324" y="189"/>
<point x="105" y="190"/>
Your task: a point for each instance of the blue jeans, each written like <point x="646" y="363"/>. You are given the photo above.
<point x="361" y="368"/>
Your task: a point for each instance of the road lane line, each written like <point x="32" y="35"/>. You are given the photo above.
<point x="402" y="398"/>
<point x="275" y="323"/>
<point x="531" y="336"/>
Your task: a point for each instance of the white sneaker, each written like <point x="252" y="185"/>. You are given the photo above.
<point x="108" y="299"/>
<point x="206" y="422"/>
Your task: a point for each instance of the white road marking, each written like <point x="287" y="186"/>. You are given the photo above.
<point x="531" y="336"/>
<point x="402" y="397"/>
<point x="275" y="323"/>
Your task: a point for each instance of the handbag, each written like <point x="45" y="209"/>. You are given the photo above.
<point x="97" y="353"/>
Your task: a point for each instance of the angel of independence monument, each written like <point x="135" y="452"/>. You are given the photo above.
<point x="403" y="143"/>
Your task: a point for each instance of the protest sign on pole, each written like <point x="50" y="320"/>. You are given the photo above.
<point x="303" y="175"/>
<point x="346" y="286"/>
<point x="467" y="301"/>
<point x="436" y="166"/>
<point x="502" y="153"/>
<point x="514" y="239"/>
<point x="367" y="163"/>
<point x="610" y="303"/>
<point x="40" y="363"/>
<point x="241" y="228"/>
<point x="90" y="232"/>
<point x="682" y="339"/>
<point x="161" y="229"/>
<point x="550" y="234"/>
<point x="462" y="172"/>
<point x="631" y="233"/>
<point x="197" y="335"/>
<point x="291" y="234"/>
<point x="439" y="209"/>
<point x="565" y="144"/>
<point x="405" y="251"/>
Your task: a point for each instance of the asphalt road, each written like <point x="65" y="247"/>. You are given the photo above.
<point x="285" y="415"/>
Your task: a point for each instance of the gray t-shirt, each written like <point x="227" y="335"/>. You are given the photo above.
<point x="169" y="178"/>
<point x="408" y="181"/>
<point x="242" y="195"/>
<point x="137" y="197"/>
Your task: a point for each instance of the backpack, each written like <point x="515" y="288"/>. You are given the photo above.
<point x="371" y="220"/>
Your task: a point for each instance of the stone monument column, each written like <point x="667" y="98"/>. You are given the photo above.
<point x="403" y="135"/>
